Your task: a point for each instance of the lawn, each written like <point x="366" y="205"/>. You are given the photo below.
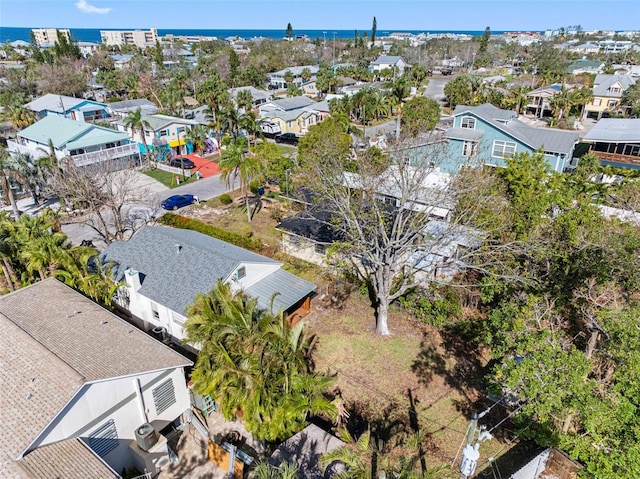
<point x="379" y="377"/>
<point x="168" y="179"/>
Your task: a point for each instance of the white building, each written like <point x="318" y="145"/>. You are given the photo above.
<point x="77" y="383"/>
<point x="83" y="143"/>
<point x="49" y="35"/>
<point x="139" y="38"/>
<point x="165" y="268"/>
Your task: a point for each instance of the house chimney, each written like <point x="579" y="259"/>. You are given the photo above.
<point x="132" y="277"/>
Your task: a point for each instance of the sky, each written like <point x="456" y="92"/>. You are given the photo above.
<point x="422" y="15"/>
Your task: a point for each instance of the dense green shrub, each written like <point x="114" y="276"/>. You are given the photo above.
<point x="253" y="186"/>
<point x="226" y="199"/>
<point x="244" y="241"/>
<point x="437" y="308"/>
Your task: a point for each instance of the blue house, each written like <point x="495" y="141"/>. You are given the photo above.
<point x="69" y="107"/>
<point x="486" y="135"/>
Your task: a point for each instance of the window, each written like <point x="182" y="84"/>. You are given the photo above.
<point x="241" y="272"/>
<point x="612" y="103"/>
<point x="154" y="311"/>
<point x="615" y="89"/>
<point x="503" y="148"/>
<point x="468" y="122"/>
<point x="289" y="124"/>
<point x="104" y="439"/>
<point x="320" y="248"/>
<point x="468" y="149"/>
<point x="181" y="129"/>
<point x="164" y="396"/>
<point x="597" y="101"/>
<point x="164" y="133"/>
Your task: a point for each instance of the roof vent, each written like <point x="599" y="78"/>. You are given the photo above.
<point x="178" y="248"/>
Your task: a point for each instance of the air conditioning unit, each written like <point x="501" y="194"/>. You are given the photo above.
<point x="159" y="332"/>
<point x="146" y="436"/>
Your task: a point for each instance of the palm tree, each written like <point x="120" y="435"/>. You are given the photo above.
<point x="264" y="470"/>
<point x="355" y="456"/>
<point x="137" y="123"/>
<point x="252" y="362"/>
<point x="196" y="135"/>
<point x="398" y="91"/>
<point x="29" y="172"/>
<point x="8" y="250"/>
<point x="235" y="164"/>
<point x="251" y="125"/>
<point x="19" y="116"/>
<point x="561" y="102"/>
<point x="244" y="100"/>
<point x="4" y="181"/>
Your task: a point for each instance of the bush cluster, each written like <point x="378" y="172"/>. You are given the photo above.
<point x="243" y="241"/>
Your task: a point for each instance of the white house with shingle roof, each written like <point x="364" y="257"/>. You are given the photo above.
<point x="165" y="268"/>
<point x="84" y="143"/>
<point x="69" y="107"/>
<point x="77" y="381"/>
<point x="391" y="62"/>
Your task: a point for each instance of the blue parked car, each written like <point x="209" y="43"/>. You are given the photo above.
<point x="178" y="201"/>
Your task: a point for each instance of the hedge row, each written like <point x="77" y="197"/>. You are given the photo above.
<point x="177" y="221"/>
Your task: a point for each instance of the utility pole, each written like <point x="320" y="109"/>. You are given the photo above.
<point x="333" y="58"/>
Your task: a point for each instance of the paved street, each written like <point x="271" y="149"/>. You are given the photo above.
<point x="204" y="189"/>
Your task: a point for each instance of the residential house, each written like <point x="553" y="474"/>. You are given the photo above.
<point x="79" y="109"/>
<point x="165" y="268"/>
<point x="284" y="105"/>
<point x="77" y="383"/>
<point x="260" y="97"/>
<point x="486" y="135"/>
<point x="174" y="57"/>
<point x="607" y="93"/>
<point x="444" y="251"/>
<point x="539" y="100"/>
<point x="292" y="115"/>
<point x="309" y="234"/>
<point x="163" y="134"/>
<point x="82" y="143"/>
<point x="582" y="65"/>
<point x="549" y="464"/>
<point x="87" y="48"/>
<point x="120" y="109"/>
<point x="295" y="121"/>
<point x="616" y="141"/>
<point x="276" y="80"/>
<point x="121" y="61"/>
<point x="387" y="62"/>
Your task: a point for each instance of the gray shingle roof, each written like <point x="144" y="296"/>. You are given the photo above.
<point x="54" y="340"/>
<point x="53" y="102"/>
<point x="293" y="103"/>
<point x="173" y="278"/>
<point x="553" y="141"/>
<point x="70" y="459"/>
<point x="615" y="130"/>
<point x="146" y="107"/>
<point x="386" y="60"/>
<point x="602" y="83"/>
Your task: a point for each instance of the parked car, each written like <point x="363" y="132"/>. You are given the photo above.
<point x="180" y="162"/>
<point x="178" y="201"/>
<point x="289" y="138"/>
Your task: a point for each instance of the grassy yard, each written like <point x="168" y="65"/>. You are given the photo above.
<point x="380" y="377"/>
<point x="168" y="179"/>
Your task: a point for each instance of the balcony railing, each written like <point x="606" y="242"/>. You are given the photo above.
<point x="104" y="155"/>
<point x="617" y="157"/>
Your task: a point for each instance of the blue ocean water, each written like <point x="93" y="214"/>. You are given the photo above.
<point x="93" y="34"/>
